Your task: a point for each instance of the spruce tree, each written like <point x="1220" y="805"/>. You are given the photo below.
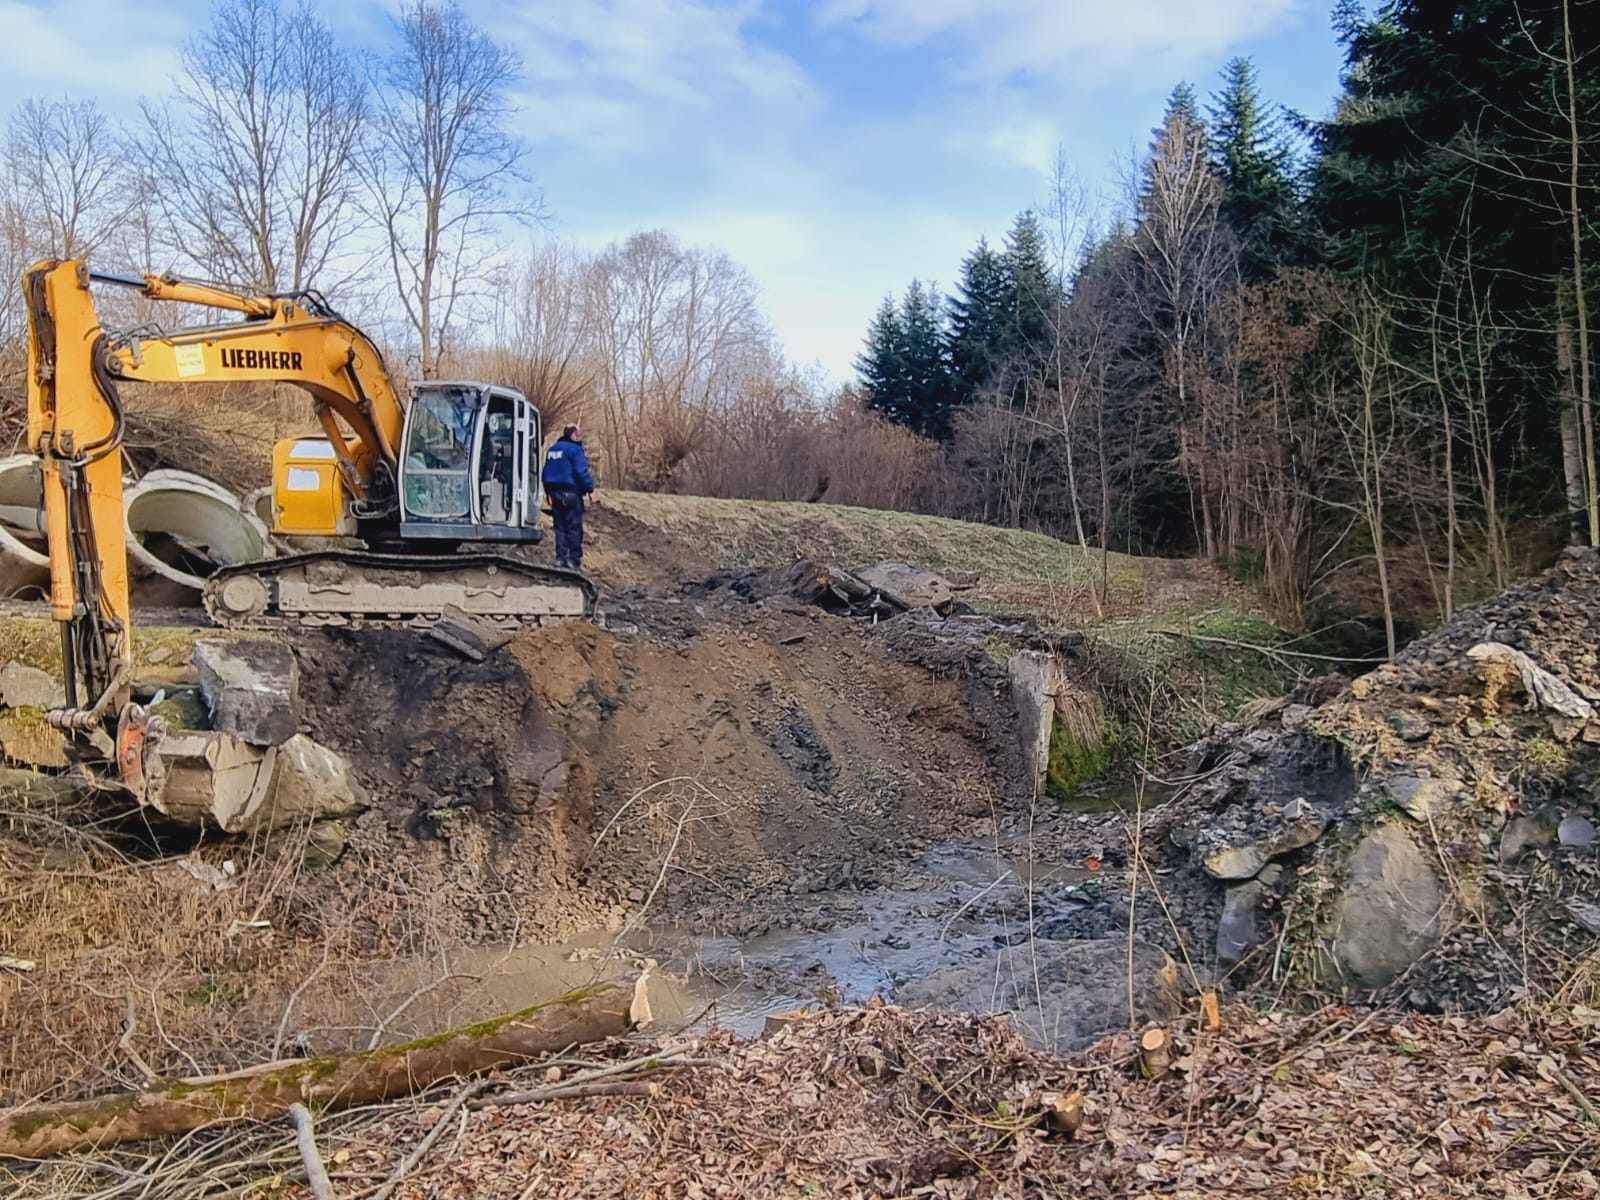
<point x="1030" y="292"/>
<point x="926" y="367"/>
<point x="978" y="321"/>
<point x="881" y="364"/>
<point x="1253" y="156"/>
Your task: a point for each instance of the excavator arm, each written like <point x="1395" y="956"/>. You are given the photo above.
<point x="421" y="580"/>
<point x="75" y="425"/>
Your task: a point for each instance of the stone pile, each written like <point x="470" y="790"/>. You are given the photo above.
<point x="1429" y="824"/>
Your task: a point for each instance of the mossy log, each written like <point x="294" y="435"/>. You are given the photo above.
<point x="333" y="1081"/>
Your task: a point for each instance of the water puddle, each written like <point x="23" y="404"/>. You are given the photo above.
<point x="977" y="900"/>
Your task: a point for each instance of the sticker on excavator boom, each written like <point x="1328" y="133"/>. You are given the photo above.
<point x="190" y="360"/>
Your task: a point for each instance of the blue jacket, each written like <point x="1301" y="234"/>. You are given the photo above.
<point x="567" y="466"/>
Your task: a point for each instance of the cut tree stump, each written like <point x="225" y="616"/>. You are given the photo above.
<point x="1155" y="1053"/>
<point x="333" y="1081"/>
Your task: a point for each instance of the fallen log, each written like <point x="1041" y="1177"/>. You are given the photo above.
<point x="329" y="1082"/>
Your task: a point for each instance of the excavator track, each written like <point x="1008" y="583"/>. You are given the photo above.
<point x="365" y="589"/>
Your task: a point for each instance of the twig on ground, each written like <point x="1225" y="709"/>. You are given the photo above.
<point x="130" y="1026"/>
<point x="306" y="1139"/>
<point x="462" y="1098"/>
<point x="635" y="1066"/>
<point x="1269" y="651"/>
<point x="1576" y="1093"/>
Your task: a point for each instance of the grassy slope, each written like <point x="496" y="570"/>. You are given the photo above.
<point x="1030" y="572"/>
<point x="1016" y="569"/>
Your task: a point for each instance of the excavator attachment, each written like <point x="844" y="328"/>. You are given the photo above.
<point x="415" y="591"/>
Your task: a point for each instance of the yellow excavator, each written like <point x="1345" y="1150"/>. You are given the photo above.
<point x="416" y="499"/>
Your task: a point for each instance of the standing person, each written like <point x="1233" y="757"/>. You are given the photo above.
<point x="567" y="482"/>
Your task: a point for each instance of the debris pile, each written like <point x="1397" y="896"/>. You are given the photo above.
<point x="1430" y="824"/>
<point x="881" y="590"/>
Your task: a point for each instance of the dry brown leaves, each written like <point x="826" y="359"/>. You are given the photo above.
<point x="889" y="1102"/>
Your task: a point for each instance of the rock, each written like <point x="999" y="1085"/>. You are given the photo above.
<point x="907" y="586"/>
<point x="324" y="844"/>
<point x="1586" y="914"/>
<point x="1225" y="856"/>
<point x="1522" y="834"/>
<point x="1575" y="832"/>
<point x="1233" y="862"/>
<point x="1083" y="985"/>
<point x="309" y="783"/>
<point x="1420" y="797"/>
<point x="252" y="688"/>
<point x="1294" y="716"/>
<point x="216" y="779"/>
<point x="1388" y="915"/>
<point x="1237" y="932"/>
<point x="1409" y="726"/>
<point x="26" y="739"/>
<point x="28" y="687"/>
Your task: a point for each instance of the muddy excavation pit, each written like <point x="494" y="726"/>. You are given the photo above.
<point x="777" y="804"/>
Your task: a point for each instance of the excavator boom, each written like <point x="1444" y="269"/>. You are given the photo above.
<point x="406" y="500"/>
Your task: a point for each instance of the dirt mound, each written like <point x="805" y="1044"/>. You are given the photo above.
<point x="1429" y="831"/>
<point x="581" y="775"/>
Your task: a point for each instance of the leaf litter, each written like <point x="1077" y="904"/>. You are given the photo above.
<point x="884" y="1101"/>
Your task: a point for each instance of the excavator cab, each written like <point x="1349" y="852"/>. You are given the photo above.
<point x="469" y="470"/>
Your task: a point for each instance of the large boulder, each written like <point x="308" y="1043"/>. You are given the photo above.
<point x="215" y="779"/>
<point x="252" y="688"/>
<point x="1388" y="915"/>
<point x="22" y="686"/>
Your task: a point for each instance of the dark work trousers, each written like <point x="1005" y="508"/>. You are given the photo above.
<point x="567" y="506"/>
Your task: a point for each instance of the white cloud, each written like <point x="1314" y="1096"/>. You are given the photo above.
<point x="1066" y="39"/>
<point x="88" y="48"/>
<point x="609" y="73"/>
<point x="1029" y="143"/>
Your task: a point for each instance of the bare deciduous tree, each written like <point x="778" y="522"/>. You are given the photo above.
<point x="441" y="170"/>
<point x="677" y="333"/>
<point x="64" y="173"/>
<point x="544" y="331"/>
<point x="250" y="164"/>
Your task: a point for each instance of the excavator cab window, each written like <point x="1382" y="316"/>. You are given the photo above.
<point x="467" y="471"/>
<point x="439" y="438"/>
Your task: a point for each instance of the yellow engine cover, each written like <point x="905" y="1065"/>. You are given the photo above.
<point x="308" y="492"/>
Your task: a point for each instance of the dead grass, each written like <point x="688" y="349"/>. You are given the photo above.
<point x="1017" y="569"/>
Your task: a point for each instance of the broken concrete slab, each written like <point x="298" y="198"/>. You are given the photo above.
<point x="215" y="779"/>
<point x="1032" y="678"/>
<point x="252" y="688"/>
<point x="907" y="586"/>
<point x="26" y="739"/>
<point x="1388" y="916"/>
<point x="23" y="686"/>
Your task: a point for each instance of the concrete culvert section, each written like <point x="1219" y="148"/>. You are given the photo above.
<point x="24" y="563"/>
<point x="182" y="527"/>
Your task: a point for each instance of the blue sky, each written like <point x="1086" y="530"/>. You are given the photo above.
<point x="836" y="149"/>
